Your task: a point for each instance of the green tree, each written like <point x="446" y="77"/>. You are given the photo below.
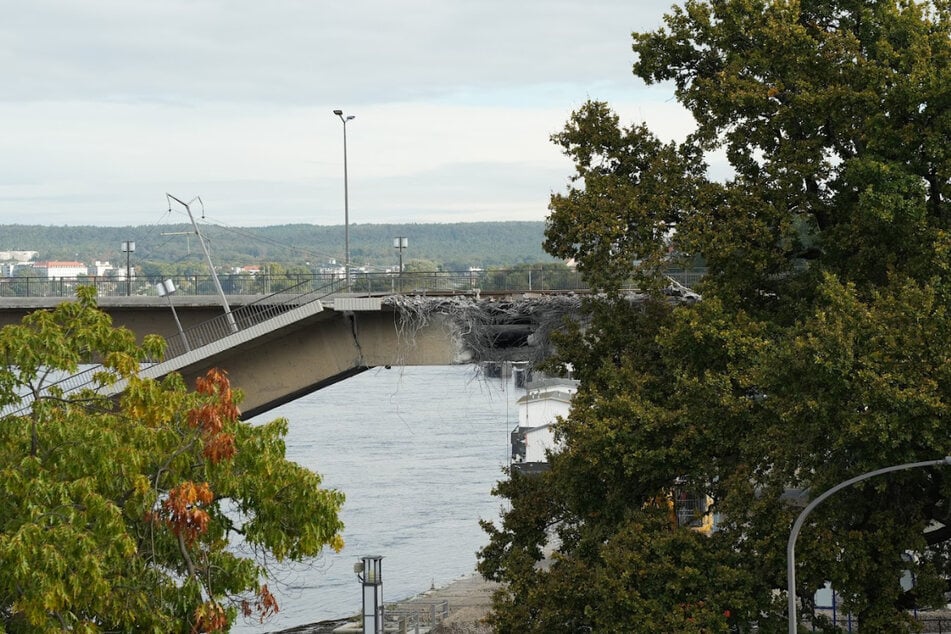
<point x="120" y="513"/>
<point x="818" y="351"/>
<point x="417" y="265"/>
<point x="25" y="282"/>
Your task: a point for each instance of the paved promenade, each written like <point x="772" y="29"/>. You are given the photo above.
<point x="469" y="599"/>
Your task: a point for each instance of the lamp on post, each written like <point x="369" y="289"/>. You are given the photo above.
<point x="370" y="572"/>
<point x="346" y="199"/>
<point x="400" y="243"/>
<point x="797" y="526"/>
<point x="128" y="248"/>
<point x="165" y="289"/>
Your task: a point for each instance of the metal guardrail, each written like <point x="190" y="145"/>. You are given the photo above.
<point x="934" y="624"/>
<point x="360" y="282"/>
<point x="244" y="317"/>
<point x="410" y="616"/>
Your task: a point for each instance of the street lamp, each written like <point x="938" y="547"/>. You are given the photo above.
<point x="797" y="526"/>
<point x="346" y="199"/>
<point x="370" y="573"/>
<point x="165" y="289"/>
<point x="128" y="248"/>
<point x="400" y="243"/>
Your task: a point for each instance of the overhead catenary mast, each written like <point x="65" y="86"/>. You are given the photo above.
<point x="211" y="266"/>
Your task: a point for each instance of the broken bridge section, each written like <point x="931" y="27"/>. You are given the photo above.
<point x="290" y="349"/>
<point x="349" y="336"/>
<point x="493" y="329"/>
<point x="353" y="334"/>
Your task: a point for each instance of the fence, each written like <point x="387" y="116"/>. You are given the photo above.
<point x="936" y="622"/>
<point x="409" y="617"/>
<point x="360" y="282"/>
<point x="244" y="317"/>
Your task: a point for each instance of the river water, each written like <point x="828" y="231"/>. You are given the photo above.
<point x="417" y="451"/>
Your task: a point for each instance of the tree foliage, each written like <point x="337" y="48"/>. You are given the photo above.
<point x="818" y="352"/>
<point x="156" y="510"/>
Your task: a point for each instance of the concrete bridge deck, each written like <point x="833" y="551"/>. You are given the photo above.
<point x="303" y="344"/>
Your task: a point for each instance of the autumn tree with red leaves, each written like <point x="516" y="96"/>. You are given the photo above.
<point x="120" y="514"/>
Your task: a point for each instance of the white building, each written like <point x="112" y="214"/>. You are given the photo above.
<point x="102" y="269"/>
<point x="545" y="401"/>
<point x="17" y="256"/>
<point x="8" y="269"/>
<point x="53" y="269"/>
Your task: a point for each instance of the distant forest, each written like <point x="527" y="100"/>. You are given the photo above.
<point x="452" y="247"/>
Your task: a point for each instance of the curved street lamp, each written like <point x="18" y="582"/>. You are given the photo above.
<point x="797" y="526"/>
<point x="346" y="199"/>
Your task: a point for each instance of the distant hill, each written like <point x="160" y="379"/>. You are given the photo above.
<point x="454" y="246"/>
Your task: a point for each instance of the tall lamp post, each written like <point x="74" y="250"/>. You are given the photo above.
<point x="797" y="526"/>
<point x="400" y="243"/>
<point x="346" y="199"/>
<point x="370" y="573"/>
<point x="128" y="248"/>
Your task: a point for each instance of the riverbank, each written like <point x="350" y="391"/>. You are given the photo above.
<point x="469" y="601"/>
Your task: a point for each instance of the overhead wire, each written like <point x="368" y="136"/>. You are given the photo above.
<point x="267" y="240"/>
<point x="168" y="237"/>
<point x="143" y="233"/>
<point x="153" y="229"/>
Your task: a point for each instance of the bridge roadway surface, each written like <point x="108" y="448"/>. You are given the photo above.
<point x="280" y="359"/>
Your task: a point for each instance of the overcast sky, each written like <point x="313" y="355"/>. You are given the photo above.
<point x="107" y="105"/>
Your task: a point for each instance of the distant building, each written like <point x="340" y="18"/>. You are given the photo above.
<point x="17" y="256"/>
<point x="54" y="269"/>
<point x="331" y="267"/>
<point x="102" y="269"/>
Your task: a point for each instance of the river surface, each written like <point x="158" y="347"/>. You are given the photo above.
<point x="417" y="451"/>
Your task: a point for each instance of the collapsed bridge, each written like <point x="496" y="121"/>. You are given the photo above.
<point x="280" y="348"/>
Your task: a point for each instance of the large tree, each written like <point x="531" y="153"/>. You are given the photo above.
<point x="157" y="510"/>
<point x="819" y="350"/>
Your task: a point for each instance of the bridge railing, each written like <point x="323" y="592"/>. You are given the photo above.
<point x="245" y="316"/>
<point x="502" y="280"/>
